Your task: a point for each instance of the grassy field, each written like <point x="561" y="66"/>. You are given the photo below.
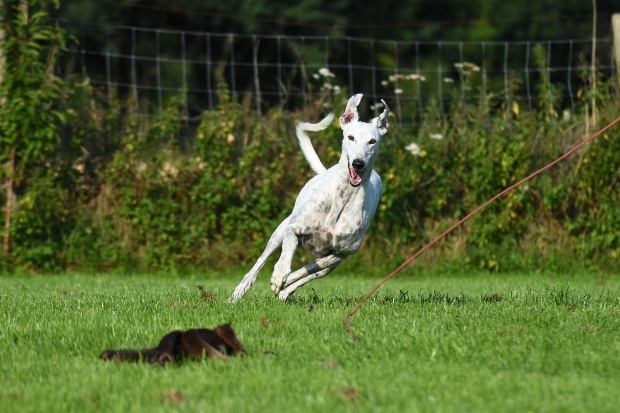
<point x="470" y="342"/>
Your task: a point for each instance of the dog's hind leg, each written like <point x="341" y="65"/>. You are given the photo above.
<point x="316" y="269"/>
<point x="274" y="243"/>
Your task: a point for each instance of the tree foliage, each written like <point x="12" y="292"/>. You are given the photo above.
<point x="32" y="95"/>
<point x="389" y="19"/>
<point x="32" y="112"/>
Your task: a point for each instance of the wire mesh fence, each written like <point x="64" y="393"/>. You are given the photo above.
<point x="150" y="66"/>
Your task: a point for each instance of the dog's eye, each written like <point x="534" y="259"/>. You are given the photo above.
<point x="351" y="138"/>
<point x="372" y="141"/>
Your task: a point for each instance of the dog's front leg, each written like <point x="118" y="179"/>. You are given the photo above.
<point x="274" y="243"/>
<point x="283" y="267"/>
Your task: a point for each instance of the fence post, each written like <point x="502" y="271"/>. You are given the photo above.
<point x="615" y="24"/>
<point x="10" y="195"/>
<point x="2" y="58"/>
<point x="9" y="189"/>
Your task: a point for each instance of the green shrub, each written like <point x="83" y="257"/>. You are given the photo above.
<point x="110" y="190"/>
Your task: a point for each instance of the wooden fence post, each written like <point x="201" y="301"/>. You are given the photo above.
<point x="615" y="24"/>
<point x="2" y="58"/>
<point x="9" y="184"/>
<point x="10" y="196"/>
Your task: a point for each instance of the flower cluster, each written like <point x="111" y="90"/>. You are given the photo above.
<point x="466" y="68"/>
<point x="169" y="172"/>
<point x="329" y="86"/>
<point x="411" y="76"/>
<point x="377" y="106"/>
<point x="326" y="74"/>
<point x="414" y="148"/>
<point x="402" y="77"/>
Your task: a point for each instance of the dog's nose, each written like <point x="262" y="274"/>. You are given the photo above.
<point x="358" y="164"/>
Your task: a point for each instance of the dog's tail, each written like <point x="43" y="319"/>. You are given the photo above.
<point x="306" y="145"/>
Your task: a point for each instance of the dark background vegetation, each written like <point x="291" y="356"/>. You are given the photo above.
<point x="97" y="188"/>
<point x="390" y="19"/>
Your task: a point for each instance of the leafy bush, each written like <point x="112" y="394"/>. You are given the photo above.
<point x="109" y="190"/>
<point x="33" y="108"/>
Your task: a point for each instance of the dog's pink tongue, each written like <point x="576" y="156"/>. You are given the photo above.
<point x="355" y="178"/>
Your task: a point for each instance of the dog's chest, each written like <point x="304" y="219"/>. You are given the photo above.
<point x="337" y="224"/>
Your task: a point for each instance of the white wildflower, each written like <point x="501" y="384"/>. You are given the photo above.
<point x="471" y="66"/>
<point x="566" y="114"/>
<point x="377" y="105"/>
<point x="336" y="88"/>
<point x="79" y="167"/>
<point x="398" y="91"/>
<point x="384" y="83"/>
<point x="325" y="72"/>
<point x="448" y="80"/>
<point x="466" y="67"/>
<point x="316" y="76"/>
<point x="168" y="171"/>
<point x="414" y="77"/>
<point x="200" y="163"/>
<point x="327" y="86"/>
<point x="437" y="136"/>
<point x="414" y="149"/>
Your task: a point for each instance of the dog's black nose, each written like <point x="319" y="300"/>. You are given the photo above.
<point x="358" y="164"/>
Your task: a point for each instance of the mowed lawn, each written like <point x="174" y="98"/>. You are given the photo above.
<point x="453" y="342"/>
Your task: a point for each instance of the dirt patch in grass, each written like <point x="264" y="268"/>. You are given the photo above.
<point x="172" y="396"/>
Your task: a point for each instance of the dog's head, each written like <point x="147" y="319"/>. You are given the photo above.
<point x="361" y="139"/>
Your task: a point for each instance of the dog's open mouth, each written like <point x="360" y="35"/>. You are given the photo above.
<point x="356" y="175"/>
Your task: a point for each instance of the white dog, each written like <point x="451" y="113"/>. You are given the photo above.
<point x="333" y="210"/>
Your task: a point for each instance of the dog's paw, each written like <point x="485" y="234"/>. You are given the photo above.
<point x="284" y="295"/>
<point x="277" y="283"/>
<point x="278" y="277"/>
<point x="238" y="293"/>
<point x="278" y="288"/>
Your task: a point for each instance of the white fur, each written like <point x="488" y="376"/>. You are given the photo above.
<point x="334" y="208"/>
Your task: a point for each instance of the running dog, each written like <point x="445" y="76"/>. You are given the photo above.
<point x="334" y="208"/>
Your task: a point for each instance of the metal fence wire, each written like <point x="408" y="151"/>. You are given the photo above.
<point x="153" y="65"/>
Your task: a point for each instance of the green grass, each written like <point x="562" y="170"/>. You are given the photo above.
<point x="473" y="342"/>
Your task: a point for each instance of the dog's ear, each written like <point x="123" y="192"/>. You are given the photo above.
<point x="226" y="332"/>
<point x="350" y="113"/>
<point x="381" y="122"/>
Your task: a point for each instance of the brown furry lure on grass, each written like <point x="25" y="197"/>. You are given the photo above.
<point x="219" y="343"/>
